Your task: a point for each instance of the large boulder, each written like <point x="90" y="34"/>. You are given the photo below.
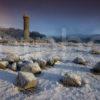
<point x="26" y="80"/>
<point x="31" y="67"/>
<point x="71" y="79"/>
<point x="96" y="69"/>
<point x="80" y="60"/>
<point x="3" y="64"/>
<point x="13" y="66"/>
<point x="11" y="57"/>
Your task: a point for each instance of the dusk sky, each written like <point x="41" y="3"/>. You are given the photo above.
<point x="50" y="17"/>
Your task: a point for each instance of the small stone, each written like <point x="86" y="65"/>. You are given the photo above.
<point x="79" y="60"/>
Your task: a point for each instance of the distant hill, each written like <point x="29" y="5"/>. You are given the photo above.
<point x="35" y="35"/>
<point x="95" y="38"/>
<point x="79" y="38"/>
<point x="7" y="33"/>
<point x="12" y="33"/>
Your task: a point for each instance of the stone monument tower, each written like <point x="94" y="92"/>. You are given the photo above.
<point x="26" y="27"/>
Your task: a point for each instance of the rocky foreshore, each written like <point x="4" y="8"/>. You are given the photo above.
<point x="26" y="68"/>
<point x="51" y="71"/>
<point x="32" y="66"/>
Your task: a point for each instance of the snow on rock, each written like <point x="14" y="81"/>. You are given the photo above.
<point x="3" y="64"/>
<point x="50" y="62"/>
<point x="72" y="79"/>
<point x="31" y="67"/>
<point x="12" y="57"/>
<point x="80" y="60"/>
<point x="26" y="80"/>
<point x="42" y="63"/>
<point x="56" y="58"/>
<point x="95" y="50"/>
<point x="13" y="66"/>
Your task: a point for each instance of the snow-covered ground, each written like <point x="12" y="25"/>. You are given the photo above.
<point x="49" y="87"/>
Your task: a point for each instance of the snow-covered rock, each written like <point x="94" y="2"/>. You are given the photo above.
<point x="3" y="64"/>
<point x="95" y="51"/>
<point x="71" y="79"/>
<point x="56" y="58"/>
<point x="31" y="67"/>
<point x="50" y="61"/>
<point x="42" y="63"/>
<point x="22" y="63"/>
<point x="96" y="68"/>
<point x="11" y="57"/>
<point x="13" y="66"/>
<point x="26" y="80"/>
<point x="80" y="60"/>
